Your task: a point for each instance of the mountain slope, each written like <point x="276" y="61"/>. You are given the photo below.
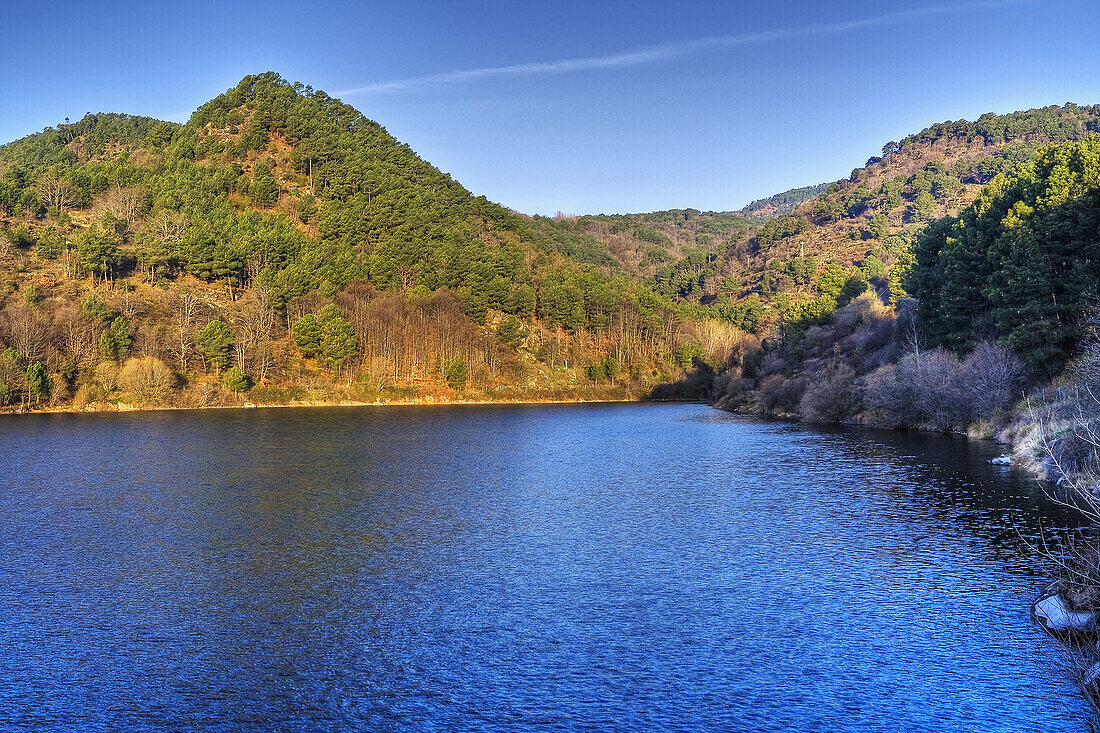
<point x="274" y="205"/>
<point x="858" y="234"/>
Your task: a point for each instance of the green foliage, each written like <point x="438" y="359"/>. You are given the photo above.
<point x="94" y="308"/>
<point x="685" y="278"/>
<point x="237" y="380"/>
<point x="306" y="208"/>
<point x="832" y="280"/>
<point x="511" y="331"/>
<point x="38" y="382"/>
<point x="114" y="343"/>
<point x="69" y="373"/>
<point x="879" y="227"/>
<point x="923" y="206"/>
<point x="338" y="339"/>
<point x="606" y="368"/>
<point x="21" y="237"/>
<point x="98" y="250"/>
<point x="782" y="203"/>
<point x="744" y="314"/>
<point x="1020" y="263"/>
<point x="455" y="372"/>
<point x="213" y="342"/>
<point x="307" y="335"/>
<point x="873" y="268"/>
<point x="13" y="377"/>
<point x="326" y="334"/>
<point x="780" y="228"/>
<point x="686" y="355"/>
<point x="51" y="244"/>
<point x="264" y="189"/>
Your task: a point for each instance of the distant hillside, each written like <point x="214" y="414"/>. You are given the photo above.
<point x="762" y="210"/>
<point x="677" y="251"/>
<point x="1002" y="303"/>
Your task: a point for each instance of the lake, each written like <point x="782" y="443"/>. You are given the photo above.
<point x="515" y="568"/>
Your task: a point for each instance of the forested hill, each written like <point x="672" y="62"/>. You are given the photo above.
<point x="1002" y="300"/>
<point x="280" y="246"/>
<point x="676" y="251"/>
<point x="794" y="257"/>
<point x="778" y="204"/>
<point x="277" y="179"/>
<point x="1021" y="264"/>
<point x="858" y="234"/>
<point x="284" y="239"/>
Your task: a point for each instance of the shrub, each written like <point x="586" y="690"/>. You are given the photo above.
<point x="889" y="395"/>
<point x="455" y="372"/>
<point x="147" y="378"/>
<point x="990" y="378"/>
<point x="779" y="396"/>
<point x="114" y="343"/>
<point x="511" y="331"/>
<point x="832" y="394"/>
<point x="924" y="388"/>
<point x="38" y="382"/>
<point x="106" y="375"/>
<point x="21" y="237"/>
<point x="937" y="388"/>
<point x="307" y="335"/>
<point x="214" y="341"/>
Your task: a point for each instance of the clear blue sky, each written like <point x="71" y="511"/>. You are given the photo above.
<point x="581" y="107"/>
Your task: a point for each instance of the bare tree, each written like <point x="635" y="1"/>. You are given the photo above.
<point x="56" y="191"/>
<point x="76" y="334"/>
<point x="253" y="318"/>
<point x="26" y="329"/>
<point x="124" y="203"/>
<point x="187" y="306"/>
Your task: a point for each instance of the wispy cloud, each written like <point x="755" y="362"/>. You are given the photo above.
<point x="666" y="51"/>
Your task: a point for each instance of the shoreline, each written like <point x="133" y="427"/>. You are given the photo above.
<point x="126" y="408"/>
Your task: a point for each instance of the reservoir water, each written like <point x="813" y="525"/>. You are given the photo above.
<point x="604" y="567"/>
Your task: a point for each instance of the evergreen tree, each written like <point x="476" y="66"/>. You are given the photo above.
<point x="38" y="382"/>
<point x="237" y="380"/>
<point x="114" y="343"/>
<point x="213" y="341"/>
<point x="307" y="335"/>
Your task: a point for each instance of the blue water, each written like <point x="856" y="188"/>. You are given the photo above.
<point x="628" y="567"/>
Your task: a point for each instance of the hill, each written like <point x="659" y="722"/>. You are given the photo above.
<point x="282" y="233"/>
<point x="858" y="234"/>
<point x="1002" y="299"/>
<point x="778" y="204"/>
<point x="791" y="259"/>
<point x="677" y="250"/>
<point x="280" y="246"/>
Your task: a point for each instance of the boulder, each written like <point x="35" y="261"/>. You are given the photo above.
<point x="1055" y="616"/>
<point x="1002" y="460"/>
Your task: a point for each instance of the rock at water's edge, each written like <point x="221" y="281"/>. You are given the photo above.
<point x="1054" y="615"/>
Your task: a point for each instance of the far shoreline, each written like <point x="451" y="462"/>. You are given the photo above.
<point x="126" y="408"/>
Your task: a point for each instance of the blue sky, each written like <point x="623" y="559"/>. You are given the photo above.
<point x="582" y="107"/>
